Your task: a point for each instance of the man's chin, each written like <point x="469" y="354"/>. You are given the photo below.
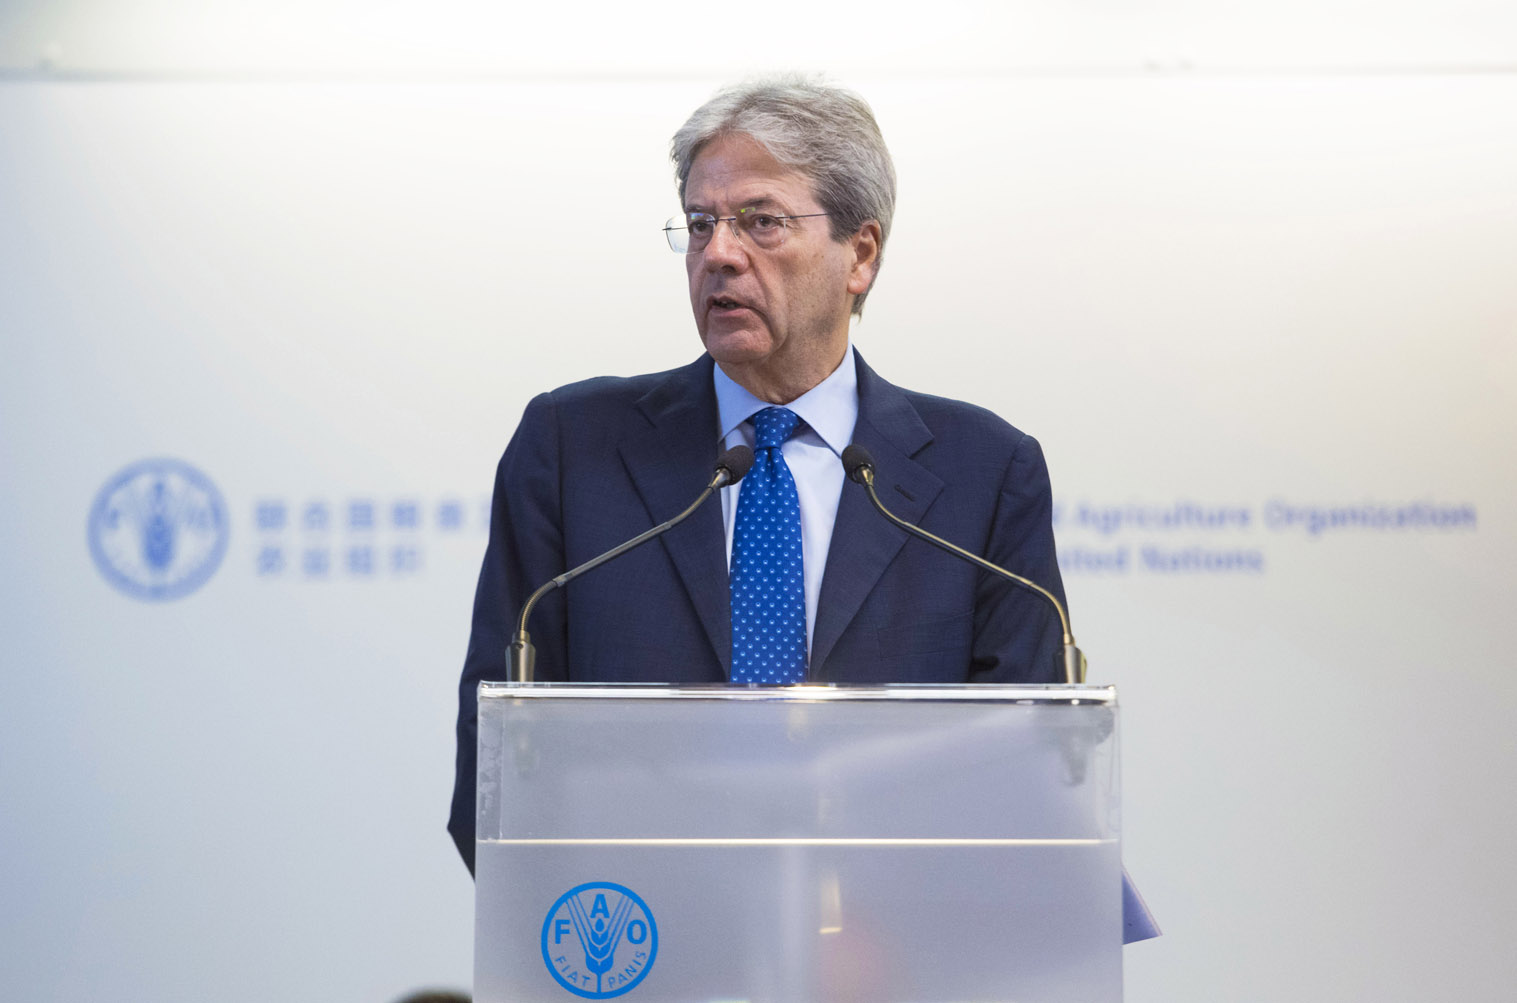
<point x="737" y="348"/>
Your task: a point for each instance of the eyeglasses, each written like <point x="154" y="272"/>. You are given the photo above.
<point x="690" y="233"/>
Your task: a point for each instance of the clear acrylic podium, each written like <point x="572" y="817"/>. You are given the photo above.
<point x="798" y="844"/>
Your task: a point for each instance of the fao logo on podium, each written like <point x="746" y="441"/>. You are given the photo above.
<point x="158" y="529"/>
<point x="599" y="940"/>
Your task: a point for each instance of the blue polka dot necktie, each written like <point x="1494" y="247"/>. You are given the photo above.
<point x="768" y="591"/>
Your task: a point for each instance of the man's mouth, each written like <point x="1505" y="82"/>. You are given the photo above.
<point x="725" y="303"/>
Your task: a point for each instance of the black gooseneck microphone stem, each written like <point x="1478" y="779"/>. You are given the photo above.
<point x="1073" y="658"/>
<point x="521" y="656"/>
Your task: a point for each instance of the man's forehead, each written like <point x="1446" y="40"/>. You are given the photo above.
<point x="735" y="171"/>
<point x="784" y="195"/>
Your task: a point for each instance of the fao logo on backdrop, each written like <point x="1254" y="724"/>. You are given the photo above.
<point x="599" y="940"/>
<point x="158" y="529"/>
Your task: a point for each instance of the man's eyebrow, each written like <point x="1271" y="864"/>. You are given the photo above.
<point x="757" y="202"/>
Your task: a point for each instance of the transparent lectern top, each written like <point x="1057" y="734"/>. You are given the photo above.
<point x="912" y="762"/>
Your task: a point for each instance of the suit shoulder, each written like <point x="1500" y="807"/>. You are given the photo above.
<point x="972" y="445"/>
<point x="600" y="391"/>
<point x="591" y="417"/>
<point x="948" y="417"/>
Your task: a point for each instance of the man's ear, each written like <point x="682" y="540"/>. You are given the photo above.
<point x="866" y="258"/>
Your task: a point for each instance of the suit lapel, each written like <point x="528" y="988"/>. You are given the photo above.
<point x="669" y="459"/>
<point x="863" y="541"/>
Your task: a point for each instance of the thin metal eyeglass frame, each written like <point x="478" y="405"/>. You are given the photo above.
<point x="670" y="229"/>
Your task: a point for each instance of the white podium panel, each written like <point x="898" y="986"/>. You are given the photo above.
<point x="795" y="844"/>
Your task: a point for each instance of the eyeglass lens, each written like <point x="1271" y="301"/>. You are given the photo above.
<point x="690" y="234"/>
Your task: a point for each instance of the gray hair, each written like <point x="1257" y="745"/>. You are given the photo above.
<point x="825" y="133"/>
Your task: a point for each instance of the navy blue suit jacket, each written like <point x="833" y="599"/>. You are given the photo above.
<point x="596" y="463"/>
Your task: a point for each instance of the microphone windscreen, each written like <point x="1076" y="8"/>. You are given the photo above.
<point x="856" y="460"/>
<point x="737" y="461"/>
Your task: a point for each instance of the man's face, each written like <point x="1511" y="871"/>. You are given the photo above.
<point x="775" y="319"/>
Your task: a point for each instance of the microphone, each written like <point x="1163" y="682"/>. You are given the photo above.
<point x="521" y="656"/>
<point x="860" y="467"/>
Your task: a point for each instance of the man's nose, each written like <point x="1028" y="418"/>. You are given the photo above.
<point x="726" y="249"/>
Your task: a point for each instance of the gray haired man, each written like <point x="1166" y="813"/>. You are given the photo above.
<point x="787" y="193"/>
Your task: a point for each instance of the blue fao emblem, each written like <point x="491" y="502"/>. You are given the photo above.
<point x="599" y="940"/>
<point x="158" y="529"/>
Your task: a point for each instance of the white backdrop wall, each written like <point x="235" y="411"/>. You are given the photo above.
<point x="1243" y="311"/>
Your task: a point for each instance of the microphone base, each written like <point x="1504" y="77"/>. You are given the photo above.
<point x="521" y="661"/>
<point x="1073" y="662"/>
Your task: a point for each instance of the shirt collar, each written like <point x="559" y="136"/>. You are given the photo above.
<point x="830" y="409"/>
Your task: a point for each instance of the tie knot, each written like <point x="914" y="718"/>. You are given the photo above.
<point x="772" y="426"/>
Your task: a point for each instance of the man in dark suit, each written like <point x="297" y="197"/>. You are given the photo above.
<point x="788" y="193"/>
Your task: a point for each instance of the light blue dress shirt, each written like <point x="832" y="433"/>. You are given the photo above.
<point x="814" y="454"/>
